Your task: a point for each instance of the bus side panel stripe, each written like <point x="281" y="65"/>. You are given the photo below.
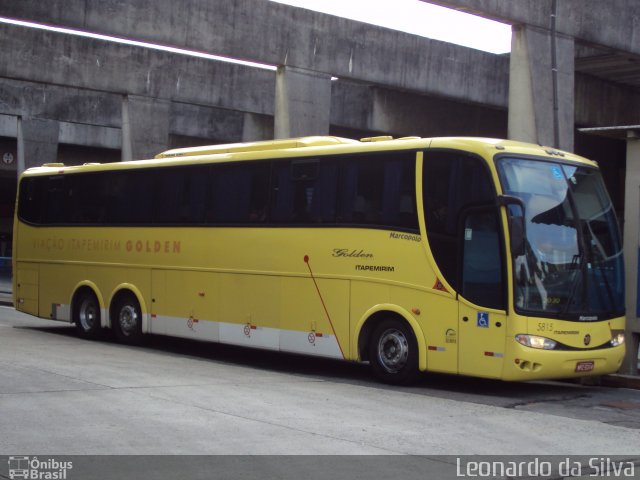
<point x="247" y="335"/>
<point x="310" y="343"/>
<point x="323" y="345"/>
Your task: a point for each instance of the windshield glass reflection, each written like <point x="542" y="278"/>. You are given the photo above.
<point x="572" y="263"/>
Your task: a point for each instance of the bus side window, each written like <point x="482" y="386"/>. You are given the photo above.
<point x="130" y="199"/>
<point x="88" y="205"/>
<point x="180" y="195"/>
<point x="378" y="190"/>
<point x="32" y="193"/>
<point x="57" y="203"/>
<point x="240" y="193"/>
<point x="304" y="191"/>
<point x="361" y="191"/>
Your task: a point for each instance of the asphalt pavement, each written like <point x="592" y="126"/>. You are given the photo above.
<point x="63" y="395"/>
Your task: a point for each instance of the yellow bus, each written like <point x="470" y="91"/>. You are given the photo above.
<point x="469" y="256"/>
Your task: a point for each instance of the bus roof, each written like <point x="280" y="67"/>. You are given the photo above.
<point x="319" y="145"/>
<point x="284" y="144"/>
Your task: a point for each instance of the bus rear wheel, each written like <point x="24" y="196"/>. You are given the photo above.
<point x="126" y="319"/>
<point x="393" y="353"/>
<point x="86" y="315"/>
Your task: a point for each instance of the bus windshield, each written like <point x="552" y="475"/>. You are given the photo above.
<point x="571" y="267"/>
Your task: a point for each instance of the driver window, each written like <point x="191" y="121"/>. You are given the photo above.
<point x="482" y="271"/>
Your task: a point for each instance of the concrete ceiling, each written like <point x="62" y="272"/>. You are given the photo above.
<point x="623" y="68"/>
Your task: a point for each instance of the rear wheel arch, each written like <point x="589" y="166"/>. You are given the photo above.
<point x="86" y="286"/>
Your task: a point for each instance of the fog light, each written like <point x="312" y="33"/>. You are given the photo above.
<point x="535" y="341"/>
<point x="617" y="339"/>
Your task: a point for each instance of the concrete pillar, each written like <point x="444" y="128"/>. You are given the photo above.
<point x="256" y="127"/>
<point x="631" y="247"/>
<point x="37" y="142"/>
<point x="303" y="103"/>
<point x="539" y="102"/>
<point x="145" y="127"/>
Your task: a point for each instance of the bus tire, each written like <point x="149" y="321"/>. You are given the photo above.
<point x="86" y="315"/>
<point x="126" y="319"/>
<point x="393" y="352"/>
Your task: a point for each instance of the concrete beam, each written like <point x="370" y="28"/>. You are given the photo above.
<point x="351" y="104"/>
<point x="278" y="34"/>
<point x="366" y="108"/>
<point x="91" y="64"/>
<point x="31" y="98"/>
<point x="303" y="103"/>
<point x="612" y="23"/>
<point x="200" y="121"/>
<point x="8" y="126"/>
<point x="90" y="135"/>
<point x="403" y="114"/>
<point x="93" y="118"/>
<point x="601" y="103"/>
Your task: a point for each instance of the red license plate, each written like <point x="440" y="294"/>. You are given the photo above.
<point x="584" y="366"/>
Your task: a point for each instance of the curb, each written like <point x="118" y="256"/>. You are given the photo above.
<point x="614" y="380"/>
<point x="621" y="381"/>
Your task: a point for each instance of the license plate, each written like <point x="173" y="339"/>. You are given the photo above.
<point x="585" y="366"/>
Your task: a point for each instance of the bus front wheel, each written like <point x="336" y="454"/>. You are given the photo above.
<point x="126" y="319"/>
<point x="393" y="352"/>
<point x="86" y="315"/>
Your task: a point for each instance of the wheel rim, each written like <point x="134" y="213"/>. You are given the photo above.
<point x="128" y="319"/>
<point x="393" y="350"/>
<point x="88" y="314"/>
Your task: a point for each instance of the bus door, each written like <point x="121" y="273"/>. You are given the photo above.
<point x="481" y="314"/>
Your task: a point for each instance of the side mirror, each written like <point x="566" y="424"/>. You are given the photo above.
<point x="517" y="232"/>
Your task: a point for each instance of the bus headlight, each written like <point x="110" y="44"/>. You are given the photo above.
<point x="534" y="341"/>
<point x="617" y="338"/>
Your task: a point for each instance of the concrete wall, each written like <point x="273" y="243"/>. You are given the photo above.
<point x="319" y="44"/>
<point x="93" y="88"/>
<point x="295" y="38"/>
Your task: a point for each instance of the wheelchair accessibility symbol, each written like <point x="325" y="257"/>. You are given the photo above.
<point x="483" y="320"/>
